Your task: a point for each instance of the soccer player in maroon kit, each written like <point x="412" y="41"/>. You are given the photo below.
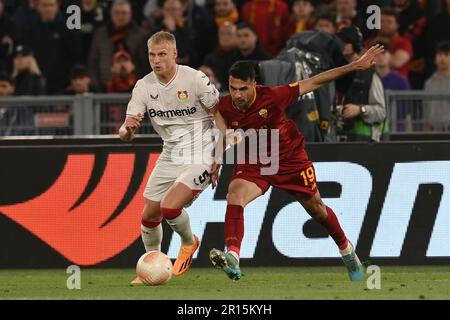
<point x="251" y="106"/>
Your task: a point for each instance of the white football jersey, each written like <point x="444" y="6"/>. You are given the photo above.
<point x="178" y="110"/>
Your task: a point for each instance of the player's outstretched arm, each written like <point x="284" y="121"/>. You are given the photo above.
<point x="366" y="61"/>
<point x="128" y="128"/>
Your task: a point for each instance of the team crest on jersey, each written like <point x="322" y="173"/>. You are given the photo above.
<point x="234" y="123"/>
<point x="183" y="95"/>
<point x="263" y="113"/>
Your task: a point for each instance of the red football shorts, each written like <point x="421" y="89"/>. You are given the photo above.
<point x="292" y="177"/>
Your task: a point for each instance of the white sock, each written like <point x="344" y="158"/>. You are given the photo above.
<point x="182" y="226"/>
<point x="347" y="250"/>
<point x="152" y="237"/>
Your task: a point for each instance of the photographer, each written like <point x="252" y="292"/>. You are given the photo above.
<point x="360" y="106"/>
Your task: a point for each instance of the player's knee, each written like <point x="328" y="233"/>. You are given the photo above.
<point x="235" y="198"/>
<point x="150" y="216"/>
<point x="151" y="213"/>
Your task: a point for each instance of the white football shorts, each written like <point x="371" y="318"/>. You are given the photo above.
<point x="166" y="173"/>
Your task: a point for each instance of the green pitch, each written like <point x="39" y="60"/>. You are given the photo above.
<point x="208" y="283"/>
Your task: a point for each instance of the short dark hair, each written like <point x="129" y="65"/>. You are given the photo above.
<point x="6" y="77"/>
<point x="443" y="47"/>
<point x="329" y="16"/>
<point x="78" y="71"/>
<point x="243" y="70"/>
<point x="246" y="25"/>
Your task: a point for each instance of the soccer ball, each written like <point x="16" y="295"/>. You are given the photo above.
<point x="154" y="268"/>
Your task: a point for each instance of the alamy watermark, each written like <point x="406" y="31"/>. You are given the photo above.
<point x="73" y="21"/>
<point x="374" y="19"/>
<point x="374" y="280"/>
<point x="74" y="280"/>
<point x="196" y="145"/>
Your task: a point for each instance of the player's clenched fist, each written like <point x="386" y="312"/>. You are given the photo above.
<point x="126" y="131"/>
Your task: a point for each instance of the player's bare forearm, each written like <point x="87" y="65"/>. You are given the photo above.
<point x="323" y="78"/>
<point x="363" y="63"/>
<point x="221" y="124"/>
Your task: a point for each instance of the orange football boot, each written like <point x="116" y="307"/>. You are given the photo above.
<point x="184" y="260"/>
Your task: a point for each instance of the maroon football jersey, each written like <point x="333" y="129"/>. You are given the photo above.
<point x="268" y="112"/>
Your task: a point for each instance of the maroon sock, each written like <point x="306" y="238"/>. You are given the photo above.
<point x="334" y="229"/>
<point x="170" y="214"/>
<point x="234" y="227"/>
<point x="150" y="224"/>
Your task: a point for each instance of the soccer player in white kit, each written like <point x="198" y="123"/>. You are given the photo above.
<point x="180" y="102"/>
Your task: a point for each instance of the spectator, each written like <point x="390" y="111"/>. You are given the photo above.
<point x="6" y="41"/>
<point x="212" y="77"/>
<point x="123" y="76"/>
<point x="363" y="113"/>
<point x="224" y="56"/>
<point x="401" y="47"/>
<point x="436" y="31"/>
<point x="326" y="23"/>
<point x="346" y="15"/>
<point x="55" y="47"/>
<point x="302" y="16"/>
<point x="27" y="76"/>
<point x="6" y="85"/>
<point x="225" y="11"/>
<point x="121" y="33"/>
<point x="123" y="81"/>
<point x="12" y="118"/>
<point x="92" y="17"/>
<point x="174" y="22"/>
<point x="80" y="81"/>
<point x="270" y="19"/>
<point x="248" y="47"/>
<point x="6" y="117"/>
<point x="392" y="80"/>
<point x="437" y="113"/>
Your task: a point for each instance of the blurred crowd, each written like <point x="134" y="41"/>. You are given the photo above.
<point x="39" y="54"/>
<point x="42" y="55"/>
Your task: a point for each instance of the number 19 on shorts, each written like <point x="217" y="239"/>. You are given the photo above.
<point x="309" y="177"/>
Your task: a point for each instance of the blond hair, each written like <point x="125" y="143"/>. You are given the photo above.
<point x="162" y="36"/>
<point x="32" y="67"/>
